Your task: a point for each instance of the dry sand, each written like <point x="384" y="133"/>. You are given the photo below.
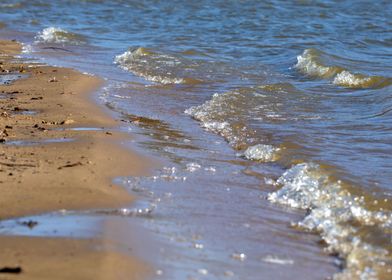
<point x="47" y="166"/>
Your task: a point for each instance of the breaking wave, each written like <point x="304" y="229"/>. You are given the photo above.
<point x="57" y="35"/>
<point x="157" y="67"/>
<point x="313" y="63"/>
<point x="344" y="220"/>
<point x="310" y="62"/>
<point x="166" y="67"/>
<point x="140" y="62"/>
<point x="349" y="80"/>
<point x="222" y="115"/>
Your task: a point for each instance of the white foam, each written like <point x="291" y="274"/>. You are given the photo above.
<point x="163" y="80"/>
<point x="58" y="35"/>
<point x="193" y="166"/>
<point x="277" y="260"/>
<point x="142" y="62"/>
<point x="26" y="48"/>
<point x="260" y="152"/>
<point x="307" y="63"/>
<point x="129" y="55"/>
<point x="346" y="79"/>
<point x="333" y="212"/>
<point x="213" y="113"/>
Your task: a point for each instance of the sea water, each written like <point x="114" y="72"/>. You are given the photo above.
<point x="273" y="121"/>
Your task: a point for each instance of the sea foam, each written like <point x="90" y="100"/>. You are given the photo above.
<point x="311" y="63"/>
<point x="213" y="115"/>
<point x="57" y="35"/>
<point x="149" y="65"/>
<point x="349" y="80"/>
<point x="260" y="152"/>
<point x="340" y="217"/>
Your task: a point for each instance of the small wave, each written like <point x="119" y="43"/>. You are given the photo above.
<point x="150" y="65"/>
<point x="165" y="68"/>
<point x="342" y="219"/>
<point x="220" y="115"/>
<point x="311" y="63"/>
<point x="261" y="152"/>
<point x="233" y="114"/>
<point x="346" y="79"/>
<point x="130" y="55"/>
<point x="59" y="36"/>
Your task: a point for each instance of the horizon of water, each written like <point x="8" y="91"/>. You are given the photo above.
<point x="300" y="91"/>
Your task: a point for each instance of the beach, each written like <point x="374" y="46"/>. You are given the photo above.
<point x="48" y="165"/>
<point x="205" y="140"/>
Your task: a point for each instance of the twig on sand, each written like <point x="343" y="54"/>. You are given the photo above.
<point x="70" y="165"/>
<point x="15" y="270"/>
<point x="13" y="164"/>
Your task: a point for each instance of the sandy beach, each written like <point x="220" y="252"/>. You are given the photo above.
<point x="47" y="163"/>
<point x="202" y="140"/>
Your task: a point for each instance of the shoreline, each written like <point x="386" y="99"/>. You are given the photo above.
<point x="59" y="151"/>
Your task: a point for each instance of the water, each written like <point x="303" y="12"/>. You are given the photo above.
<point x="6" y="79"/>
<point x="283" y="103"/>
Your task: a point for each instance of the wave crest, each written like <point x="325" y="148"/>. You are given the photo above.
<point x="341" y="218"/>
<point x="57" y="35"/>
<point x="349" y="80"/>
<point x="311" y="63"/>
<point x="221" y="116"/>
<point x="152" y="66"/>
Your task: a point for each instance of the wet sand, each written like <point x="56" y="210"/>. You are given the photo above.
<point x="46" y="165"/>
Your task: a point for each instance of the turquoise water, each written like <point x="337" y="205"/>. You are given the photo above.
<point x="299" y="90"/>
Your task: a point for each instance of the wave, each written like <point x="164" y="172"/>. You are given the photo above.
<point x="229" y="114"/>
<point x="57" y="35"/>
<point x="343" y="220"/>
<point x="156" y="67"/>
<point x="173" y="67"/>
<point x="346" y="221"/>
<point x="349" y="80"/>
<point x="221" y="116"/>
<point x="312" y="63"/>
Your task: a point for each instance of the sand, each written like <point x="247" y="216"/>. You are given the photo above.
<point x="48" y="165"/>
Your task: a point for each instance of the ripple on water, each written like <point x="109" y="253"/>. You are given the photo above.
<point x="314" y="63"/>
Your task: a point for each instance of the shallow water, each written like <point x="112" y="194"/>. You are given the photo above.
<point x="6" y="79"/>
<point x="282" y="103"/>
<point x="38" y="142"/>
